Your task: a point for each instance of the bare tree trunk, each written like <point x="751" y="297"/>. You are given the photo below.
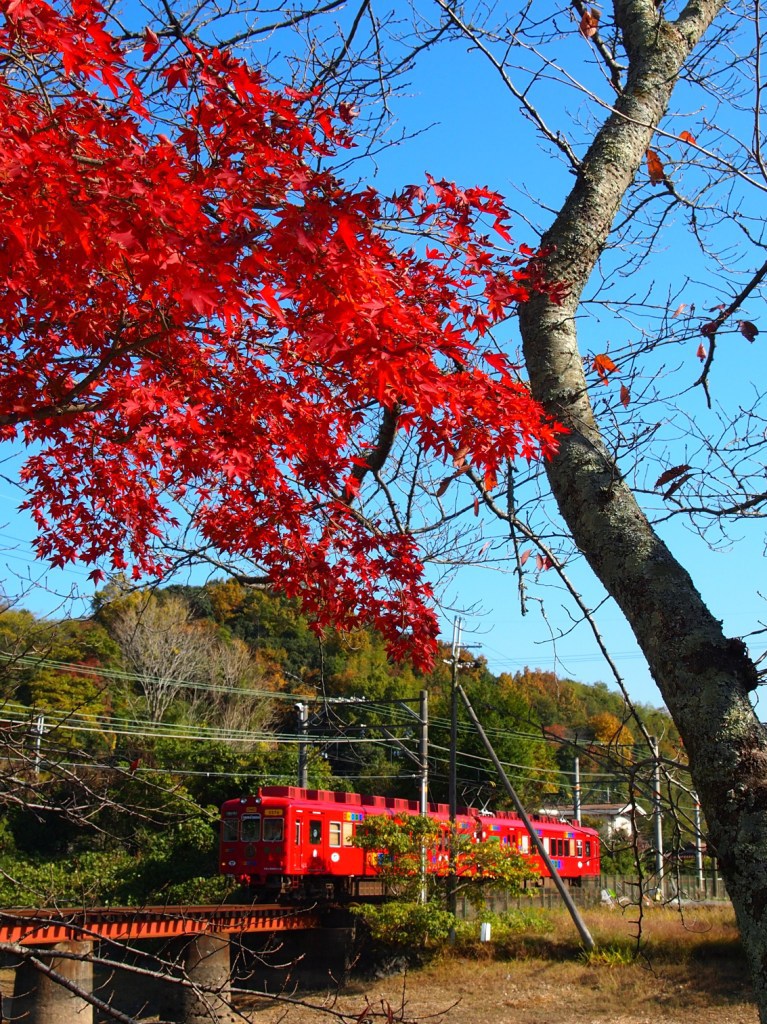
<point x="704" y="677"/>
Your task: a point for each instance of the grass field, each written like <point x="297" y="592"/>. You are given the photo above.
<point x="665" y="966"/>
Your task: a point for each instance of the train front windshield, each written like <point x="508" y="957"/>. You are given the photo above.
<point x="250" y="828"/>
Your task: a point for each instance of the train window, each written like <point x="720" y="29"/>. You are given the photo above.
<point x="348" y="833"/>
<point x="229" y="828"/>
<point x="588" y="847"/>
<point x="334" y="833"/>
<point x="250" y="828"/>
<point x="298" y="831"/>
<point x="578" y="847"/>
<point x="273" y="830"/>
<point x="524" y="844"/>
<point x="315" y="831"/>
<point x="545" y="841"/>
<point x="565" y="847"/>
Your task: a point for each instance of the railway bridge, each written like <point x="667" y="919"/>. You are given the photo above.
<point x="55" y="954"/>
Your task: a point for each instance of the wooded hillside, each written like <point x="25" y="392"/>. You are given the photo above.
<point x="122" y="733"/>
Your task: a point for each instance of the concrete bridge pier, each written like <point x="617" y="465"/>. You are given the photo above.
<point x="41" y="999"/>
<point x="207" y="966"/>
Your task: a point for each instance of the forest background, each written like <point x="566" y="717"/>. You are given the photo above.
<point x="123" y="732"/>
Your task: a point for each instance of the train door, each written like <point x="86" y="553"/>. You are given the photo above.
<point x="316" y="842"/>
<point x="335" y="846"/>
<point x="273" y="839"/>
<point x="250" y="835"/>
<point x="299" y="853"/>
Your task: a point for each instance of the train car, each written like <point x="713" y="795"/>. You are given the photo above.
<point x="289" y="841"/>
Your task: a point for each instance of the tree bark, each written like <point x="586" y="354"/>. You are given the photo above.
<point x="705" y="677"/>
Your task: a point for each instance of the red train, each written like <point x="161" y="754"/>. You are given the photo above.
<point x="299" y="842"/>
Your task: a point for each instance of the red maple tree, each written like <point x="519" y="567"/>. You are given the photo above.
<point x="214" y="321"/>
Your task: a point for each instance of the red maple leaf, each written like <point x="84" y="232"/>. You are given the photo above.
<point x="217" y="321"/>
<point x="151" y="44"/>
<point x="603" y="366"/>
<point x="655" y="168"/>
<point x="589" y="23"/>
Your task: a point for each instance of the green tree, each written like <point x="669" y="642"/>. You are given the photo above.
<point x="416" y="914"/>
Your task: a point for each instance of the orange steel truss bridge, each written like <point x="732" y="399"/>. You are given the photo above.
<point x="47" y="927"/>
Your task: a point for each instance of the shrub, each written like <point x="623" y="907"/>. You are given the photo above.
<point x="407" y="926"/>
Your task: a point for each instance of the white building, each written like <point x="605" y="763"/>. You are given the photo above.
<point x="617" y="819"/>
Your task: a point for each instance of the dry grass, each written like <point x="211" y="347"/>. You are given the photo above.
<point x="660" y="934"/>
<point x="685" y="968"/>
<point x="662" y="965"/>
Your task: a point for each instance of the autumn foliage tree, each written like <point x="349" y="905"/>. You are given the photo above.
<point x="202" y="324"/>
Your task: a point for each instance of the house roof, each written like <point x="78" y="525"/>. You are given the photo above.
<point x="600" y="810"/>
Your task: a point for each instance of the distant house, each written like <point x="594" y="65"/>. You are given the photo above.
<point x="616" y="818"/>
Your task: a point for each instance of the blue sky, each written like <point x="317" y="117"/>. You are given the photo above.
<point x="478" y="137"/>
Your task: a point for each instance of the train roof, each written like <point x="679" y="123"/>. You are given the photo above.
<point x="329" y="799"/>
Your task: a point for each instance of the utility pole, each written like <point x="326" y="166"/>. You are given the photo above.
<point x="567" y="899"/>
<point x="657" y="814"/>
<point x="38" y="733"/>
<point x="423" y="752"/>
<point x="698" y="846"/>
<point x="422" y="763"/>
<point x="577" y="790"/>
<point x="452" y="880"/>
<point x="302" y="710"/>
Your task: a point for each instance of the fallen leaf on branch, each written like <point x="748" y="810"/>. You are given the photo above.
<point x="748" y="330"/>
<point x="670" y="474"/>
<point x="655" y="168"/>
<point x="676" y="485"/>
<point x="603" y="366"/>
<point x="589" y="23"/>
